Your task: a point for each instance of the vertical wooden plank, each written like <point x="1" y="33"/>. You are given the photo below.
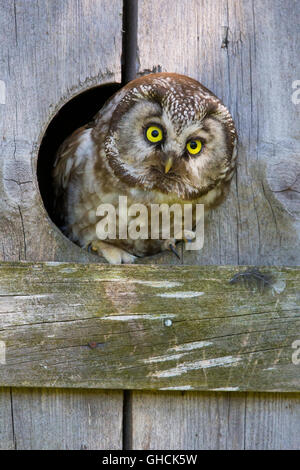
<point x="235" y="49"/>
<point x="185" y="420"/>
<point x="211" y="420"/>
<point x="186" y="37"/>
<point x="50" y="51"/>
<point x="259" y="222"/>
<point x="6" y="420"/>
<point x="62" y="419"/>
<point x="273" y="421"/>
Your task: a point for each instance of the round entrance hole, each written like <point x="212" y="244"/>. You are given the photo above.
<point x="75" y="113"/>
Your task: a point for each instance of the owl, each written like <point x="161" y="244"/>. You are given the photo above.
<point x="162" y="138"/>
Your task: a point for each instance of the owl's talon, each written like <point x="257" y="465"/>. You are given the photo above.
<point x="185" y="235"/>
<point x="112" y="254"/>
<point x="90" y="248"/>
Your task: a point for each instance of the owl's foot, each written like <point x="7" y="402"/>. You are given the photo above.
<point x="185" y="235"/>
<point x="112" y="254"/>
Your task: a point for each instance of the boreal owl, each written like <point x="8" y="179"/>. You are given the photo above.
<point x="162" y="138"/>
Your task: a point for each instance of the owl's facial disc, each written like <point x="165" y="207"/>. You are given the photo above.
<point x="155" y="135"/>
<point x="172" y="135"/>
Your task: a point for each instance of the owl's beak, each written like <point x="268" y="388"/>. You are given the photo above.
<point x="168" y="164"/>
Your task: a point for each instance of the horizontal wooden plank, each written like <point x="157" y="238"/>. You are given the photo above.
<point x="149" y="327"/>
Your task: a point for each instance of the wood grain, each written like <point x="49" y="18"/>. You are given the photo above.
<point x="188" y="420"/>
<point x="7" y="441"/>
<point x="148" y="327"/>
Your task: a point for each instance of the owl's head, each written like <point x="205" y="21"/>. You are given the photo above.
<point x="170" y="134"/>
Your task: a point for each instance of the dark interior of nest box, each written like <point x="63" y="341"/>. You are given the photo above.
<point x="75" y="113"/>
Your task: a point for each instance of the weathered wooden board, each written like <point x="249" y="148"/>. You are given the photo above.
<point x="273" y="421"/>
<point x="194" y="420"/>
<point x="61" y="419"/>
<point x="245" y="51"/>
<point x="214" y="420"/>
<point x="7" y="441"/>
<point x="50" y="51"/>
<point x="148" y="327"/>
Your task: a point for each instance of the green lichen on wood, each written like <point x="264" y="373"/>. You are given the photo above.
<point x="148" y="327"/>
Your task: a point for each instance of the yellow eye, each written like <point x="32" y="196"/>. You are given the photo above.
<point x="154" y="134"/>
<point x="194" y="146"/>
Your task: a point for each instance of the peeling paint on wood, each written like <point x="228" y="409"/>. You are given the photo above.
<point x="198" y="365"/>
<point x="180" y="295"/>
